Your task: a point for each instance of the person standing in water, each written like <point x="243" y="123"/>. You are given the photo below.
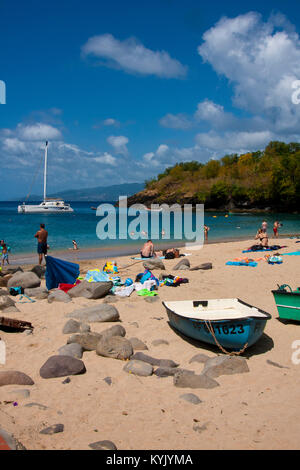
<point x="275" y="228"/>
<point x="206" y="230"/>
<point x="42" y="236"/>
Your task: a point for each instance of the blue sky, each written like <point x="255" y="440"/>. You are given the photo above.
<point x="124" y="89"/>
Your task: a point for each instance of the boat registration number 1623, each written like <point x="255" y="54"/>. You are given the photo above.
<point x="225" y="329"/>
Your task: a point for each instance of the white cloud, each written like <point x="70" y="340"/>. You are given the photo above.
<point x="119" y="143"/>
<point x="261" y="60"/>
<point x="38" y="131"/>
<point x="233" y="142"/>
<point x="132" y="56"/>
<point x="107" y="159"/>
<point x="176" y="121"/>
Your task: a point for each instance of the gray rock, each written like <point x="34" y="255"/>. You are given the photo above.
<point x="138" y="368"/>
<point x="159" y="342"/>
<point x="6" y="302"/>
<point x="155" y="263"/>
<point x="72" y="349"/>
<point x="58" y="295"/>
<point x="14" y="377"/>
<point x="39" y="270"/>
<point x="153" y="361"/>
<point x="202" y="358"/>
<point x="115" y="330"/>
<point x="88" y="341"/>
<point x="4" y="292"/>
<point x="66" y="381"/>
<point x="115" y="347"/>
<point x="91" y="290"/>
<point x="191" y="398"/>
<point x="54" y="429"/>
<point x="73" y="326"/>
<point x="168" y="371"/>
<point x="25" y="280"/>
<point x="225" y="365"/>
<point x="103" y="445"/>
<point x="110" y="299"/>
<point x="183" y="264"/>
<point x="203" y="266"/>
<point x="11" y="270"/>
<point x="137" y="344"/>
<point x="38" y="292"/>
<point x="108" y="380"/>
<point x="61" y="366"/>
<point x="191" y="380"/>
<point x="98" y="313"/>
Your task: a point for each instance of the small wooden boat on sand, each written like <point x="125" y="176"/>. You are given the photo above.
<point x="228" y="323"/>
<point x="287" y="302"/>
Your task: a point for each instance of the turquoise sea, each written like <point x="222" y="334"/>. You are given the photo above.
<point x="18" y="229"/>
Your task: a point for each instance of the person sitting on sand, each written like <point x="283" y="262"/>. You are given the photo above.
<point x="263" y="238"/>
<point x="4" y="253"/>
<point x="148" y="250"/>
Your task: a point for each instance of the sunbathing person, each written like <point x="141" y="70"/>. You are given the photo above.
<point x="148" y="250"/>
<point x="263" y="238"/>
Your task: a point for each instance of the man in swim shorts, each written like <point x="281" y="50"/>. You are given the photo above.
<point x="42" y="236"/>
<point x="148" y="250"/>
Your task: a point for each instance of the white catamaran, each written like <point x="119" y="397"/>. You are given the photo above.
<point x="48" y="205"/>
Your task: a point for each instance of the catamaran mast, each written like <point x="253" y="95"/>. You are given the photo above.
<point x="45" y="171"/>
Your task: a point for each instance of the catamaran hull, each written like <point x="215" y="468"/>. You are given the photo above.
<point x="39" y="210"/>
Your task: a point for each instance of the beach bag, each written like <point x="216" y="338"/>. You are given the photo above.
<point x="16" y="291"/>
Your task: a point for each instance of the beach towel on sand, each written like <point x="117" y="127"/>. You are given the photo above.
<point x="241" y="263"/>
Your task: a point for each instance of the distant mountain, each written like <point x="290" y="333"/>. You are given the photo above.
<point x="100" y="193"/>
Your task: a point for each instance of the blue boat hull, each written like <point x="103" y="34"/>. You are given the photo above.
<point x="231" y="334"/>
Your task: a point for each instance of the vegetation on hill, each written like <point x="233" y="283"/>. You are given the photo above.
<point x="258" y="180"/>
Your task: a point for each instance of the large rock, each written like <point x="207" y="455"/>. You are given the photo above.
<point x="14" y="377"/>
<point x="73" y="326"/>
<point x="91" y="290"/>
<point x="25" y="280"/>
<point x="6" y="302"/>
<point x="39" y="270"/>
<point x="10" y="270"/>
<point x="225" y="365"/>
<point x="37" y="292"/>
<point x="202" y="358"/>
<point x="115" y="347"/>
<point x="187" y="379"/>
<point x="191" y="398"/>
<point x="115" y="330"/>
<point x="88" y="341"/>
<point x="60" y="366"/>
<point x="58" y="295"/>
<point x="155" y="263"/>
<point x="138" y="368"/>
<point x="183" y="264"/>
<point x="72" y="349"/>
<point x="168" y="371"/>
<point x="54" y="429"/>
<point x="153" y="361"/>
<point x="137" y="344"/>
<point x="203" y="266"/>
<point x="4" y="292"/>
<point x="97" y="313"/>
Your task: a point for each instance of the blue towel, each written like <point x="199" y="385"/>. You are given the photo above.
<point x="295" y="253"/>
<point x="60" y="271"/>
<point x="241" y="263"/>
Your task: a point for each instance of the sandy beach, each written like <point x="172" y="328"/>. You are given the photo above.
<point x="254" y="410"/>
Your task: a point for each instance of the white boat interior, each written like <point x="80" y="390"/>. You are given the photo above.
<point x="215" y="309"/>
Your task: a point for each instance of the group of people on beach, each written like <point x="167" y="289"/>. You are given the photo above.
<point x="262" y="234"/>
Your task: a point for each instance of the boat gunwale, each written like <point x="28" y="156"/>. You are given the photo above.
<point x="283" y="292"/>
<point x="268" y="316"/>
